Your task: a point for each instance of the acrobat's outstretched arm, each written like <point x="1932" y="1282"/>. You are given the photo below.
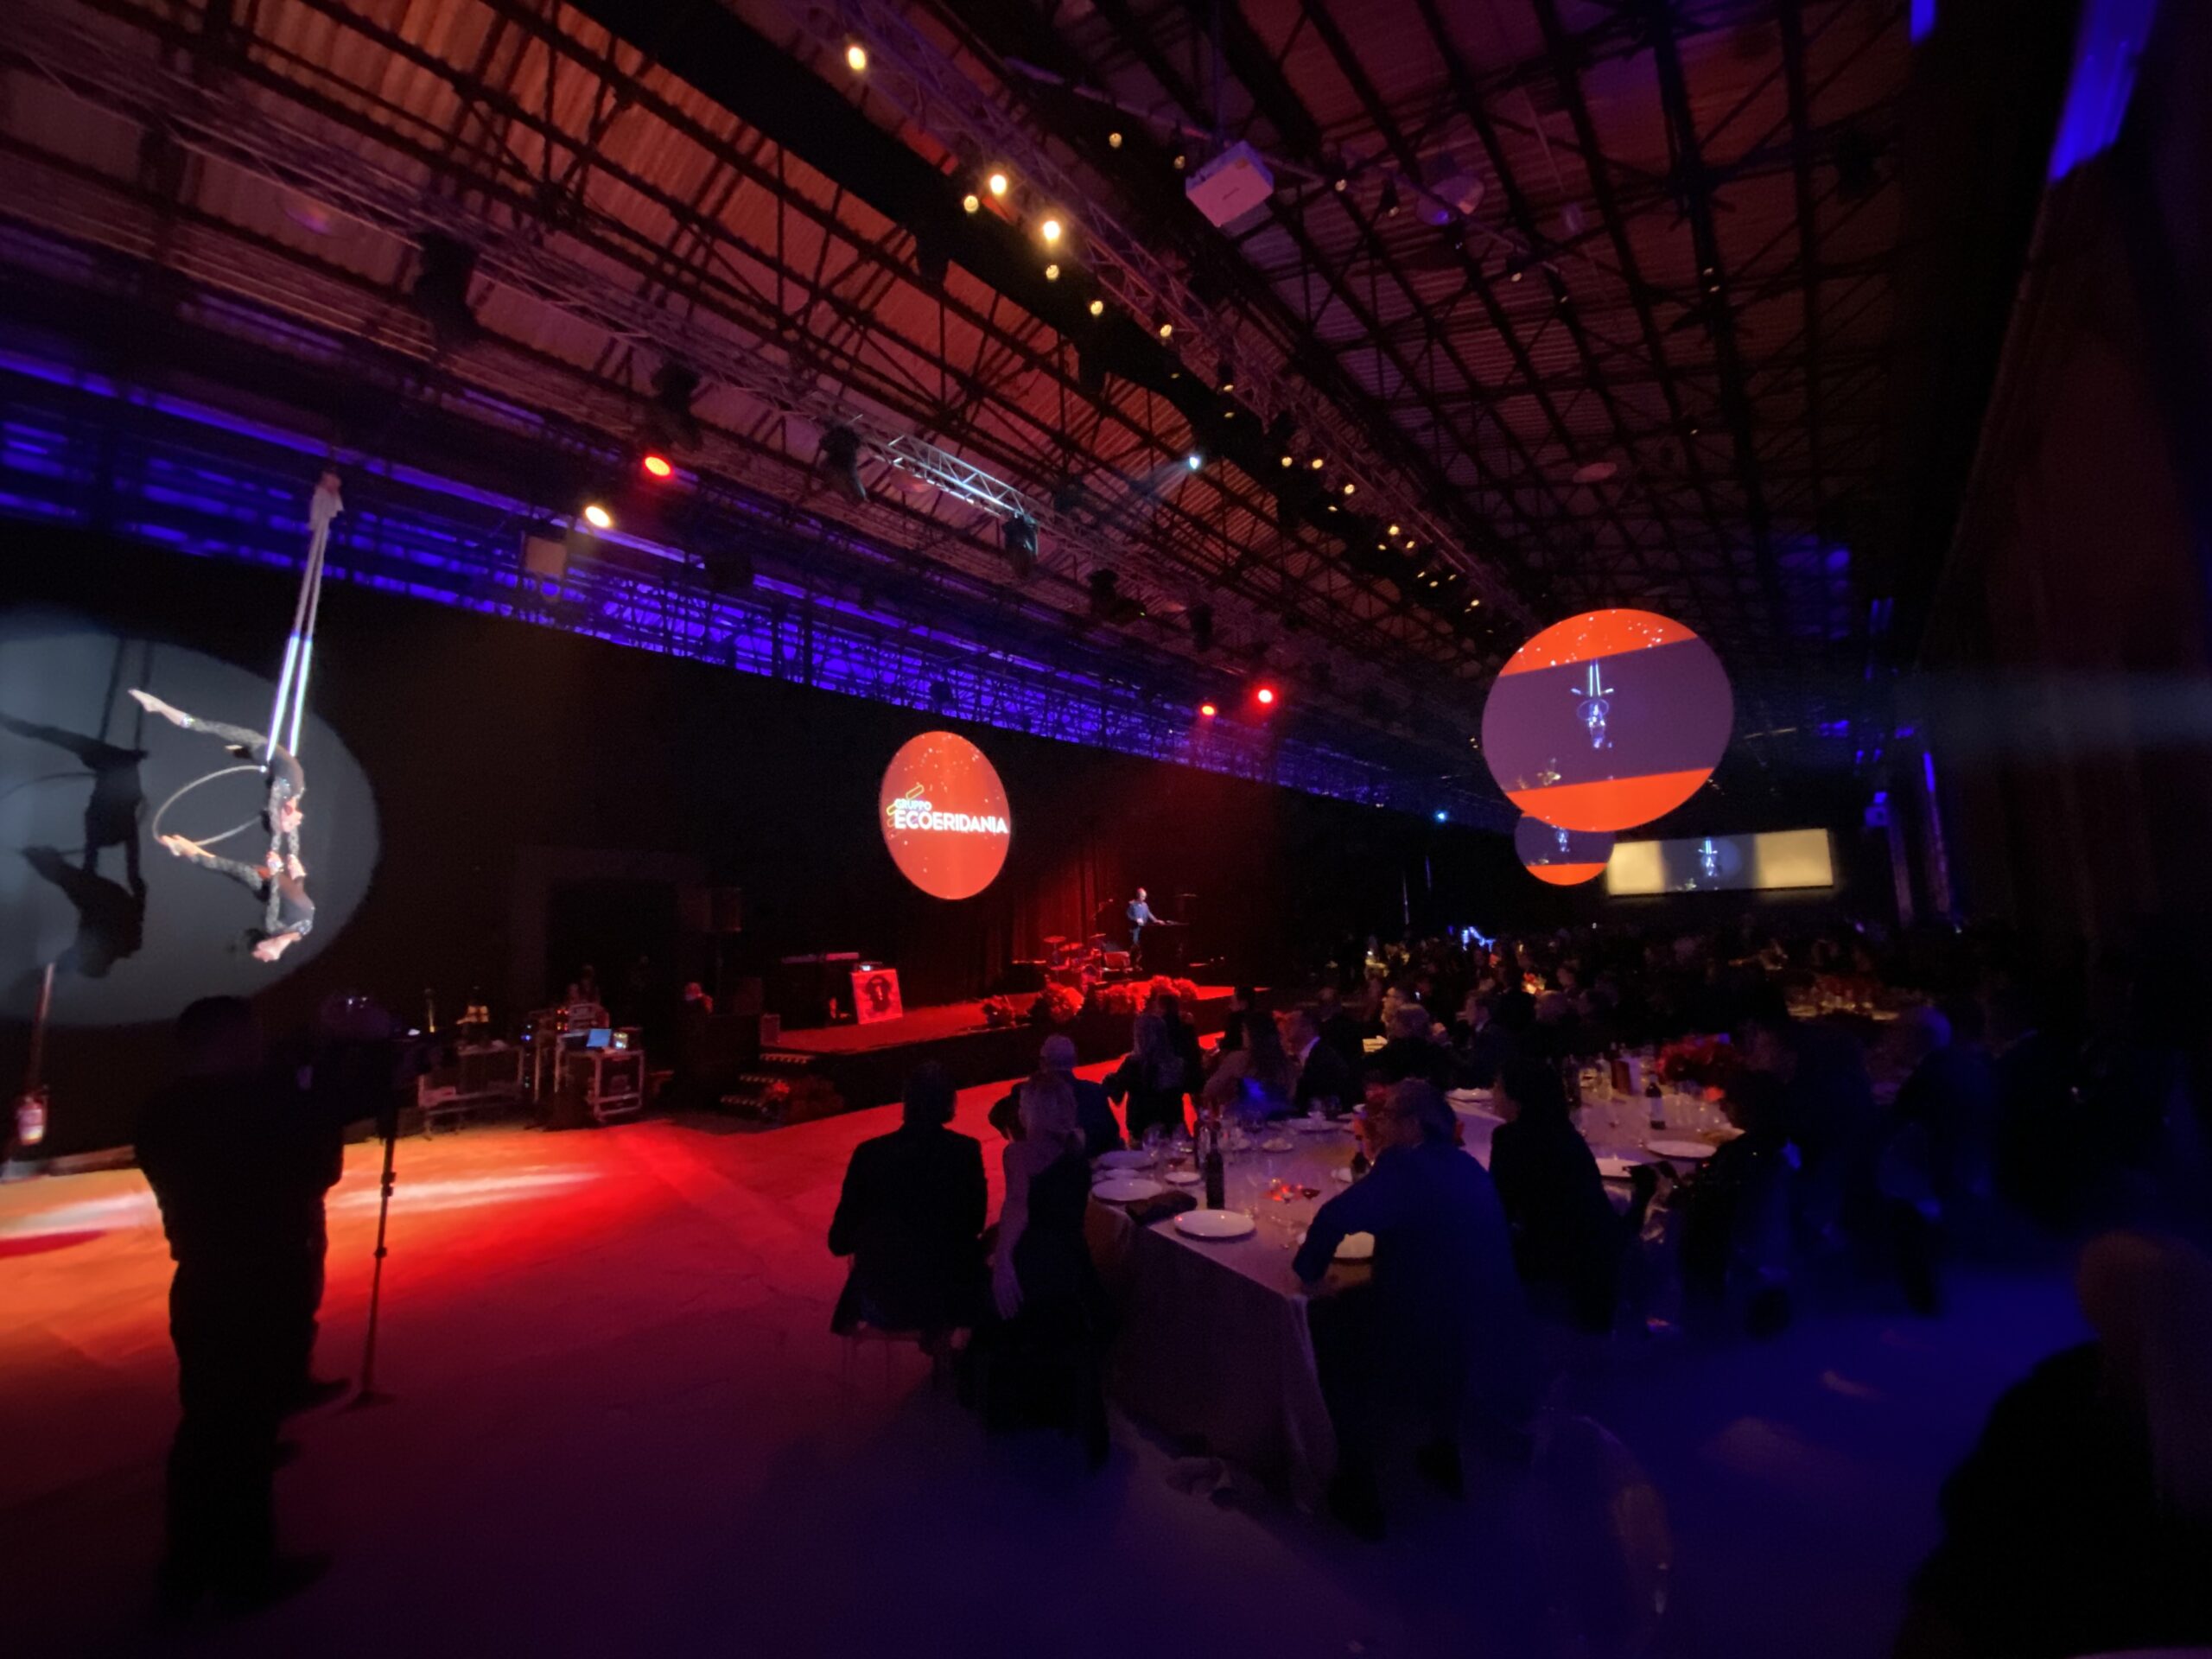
<point x="193" y="852"/>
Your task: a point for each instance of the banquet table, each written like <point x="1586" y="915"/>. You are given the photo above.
<point x="1214" y="1345"/>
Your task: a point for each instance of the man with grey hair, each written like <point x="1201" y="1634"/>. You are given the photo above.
<point x="1438" y="1343"/>
<point x="1101" y="1131"/>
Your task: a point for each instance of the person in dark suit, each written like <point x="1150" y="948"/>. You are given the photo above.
<point x="1566" y="1240"/>
<point x="910" y="1217"/>
<point x="1339" y="1029"/>
<point x="1101" y="1131"/>
<point x="1412" y="1051"/>
<point x="1483" y="1047"/>
<point x="1233" y="1025"/>
<point x="222" y="1149"/>
<point x="1438" y="1339"/>
<point x="1325" y="1079"/>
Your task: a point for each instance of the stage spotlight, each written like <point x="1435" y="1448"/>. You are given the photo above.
<point x="657" y="465"/>
<point x="1021" y="545"/>
<point x="598" y="516"/>
<point x="1181" y="161"/>
<point x="1167" y="331"/>
<point x="857" y="57"/>
<point x="1224" y="375"/>
<point x="1194" y="460"/>
<point x="1289" y="460"/>
<point x="1441" y="815"/>
<point x="1351" y="489"/>
<point x="971" y="201"/>
<point x="998" y="184"/>
<point x="440" y="288"/>
<point x="1265" y="696"/>
<point x="1049" y="230"/>
<point x="1207" y="710"/>
<point x="1098" y="307"/>
<point x="1317" y="463"/>
<point x="841" y="459"/>
<point x="1113" y="141"/>
<point x="1392" y="531"/>
<point x="1052" y="273"/>
<point x="1516" y="268"/>
<point x="1201" y="628"/>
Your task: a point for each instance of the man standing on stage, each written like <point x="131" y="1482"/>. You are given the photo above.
<point x="1141" y="918"/>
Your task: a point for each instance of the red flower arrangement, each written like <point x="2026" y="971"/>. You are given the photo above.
<point x="1056" y="1005"/>
<point x="1707" y="1061"/>
<point x="1000" y="1012"/>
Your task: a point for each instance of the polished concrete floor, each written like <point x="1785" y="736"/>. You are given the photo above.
<point x="620" y="1426"/>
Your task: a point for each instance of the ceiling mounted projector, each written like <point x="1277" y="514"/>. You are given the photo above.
<point x="1230" y="186"/>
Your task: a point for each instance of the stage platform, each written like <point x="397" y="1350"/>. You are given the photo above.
<point x="867" y="1064"/>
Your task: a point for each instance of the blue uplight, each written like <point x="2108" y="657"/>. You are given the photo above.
<point x="2110" y="42"/>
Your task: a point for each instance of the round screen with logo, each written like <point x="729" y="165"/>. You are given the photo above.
<point x="943" y="816"/>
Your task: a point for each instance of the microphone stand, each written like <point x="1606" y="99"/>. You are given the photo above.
<point x="369" y="1395"/>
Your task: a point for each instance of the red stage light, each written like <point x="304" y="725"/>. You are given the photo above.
<point x="1266" y="694"/>
<point x="1208" y="710"/>
<point x="658" y="466"/>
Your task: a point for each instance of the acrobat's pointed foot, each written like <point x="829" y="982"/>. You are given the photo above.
<point x="154" y="705"/>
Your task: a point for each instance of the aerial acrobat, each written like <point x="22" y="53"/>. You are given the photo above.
<point x="279" y="880"/>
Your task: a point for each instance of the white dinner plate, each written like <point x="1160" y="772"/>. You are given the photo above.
<point x="1127" y="1189"/>
<point x="1276" y="1143"/>
<point x="1356" y="1246"/>
<point x="1214" y="1223"/>
<point x="1467" y="1096"/>
<point x="1185" y="1177"/>
<point x="1688" y="1151"/>
<point x="1125" y="1161"/>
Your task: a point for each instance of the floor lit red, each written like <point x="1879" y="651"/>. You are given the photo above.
<point x="621" y="1426"/>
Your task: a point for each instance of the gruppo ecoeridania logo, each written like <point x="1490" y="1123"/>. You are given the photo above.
<point x="943" y="816"/>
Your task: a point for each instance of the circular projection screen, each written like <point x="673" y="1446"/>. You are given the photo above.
<point x="1565" y="858"/>
<point x="1607" y="721"/>
<point x="135" y="934"/>
<point x="945" y="817"/>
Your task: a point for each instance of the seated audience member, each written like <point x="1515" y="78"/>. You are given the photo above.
<point x="1152" y="1080"/>
<point x="2081" y="1522"/>
<point x="1412" y="1051"/>
<point x="1556" y="1033"/>
<point x="1483" y="1046"/>
<point x="1234" y="1024"/>
<point x="1438" y="1342"/>
<point x="223" y="1149"/>
<point x="1736" y="1210"/>
<point x="1185" y="1037"/>
<point x="1566" y="1240"/>
<point x="1051" y="1309"/>
<point x="1102" y="1132"/>
<point x="1339" y="1029"/>
<point x="1256" y="1081"/>
<point x="1827" y="1105"/>
<point x="1934" y="1169"/>
<point x="910" y="1216"/>
<point x="1325" y="1076"/>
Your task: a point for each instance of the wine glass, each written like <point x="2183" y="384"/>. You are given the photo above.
<point x="1155" y="1136"/>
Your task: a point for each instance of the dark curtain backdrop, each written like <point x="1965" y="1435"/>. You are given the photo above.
<point x="501" y="754"/>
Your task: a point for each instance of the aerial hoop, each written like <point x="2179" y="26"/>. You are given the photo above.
<point x="153" y="827"/>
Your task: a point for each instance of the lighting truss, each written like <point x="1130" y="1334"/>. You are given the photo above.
<point x="215" y="116"/>
<point x="914" y="76"/>
<point x="79" y="451"/>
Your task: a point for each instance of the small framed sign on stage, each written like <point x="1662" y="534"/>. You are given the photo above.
<point x="875" y="995"/>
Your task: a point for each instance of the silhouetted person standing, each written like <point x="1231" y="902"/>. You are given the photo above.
<point x="219" y="1147"/>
